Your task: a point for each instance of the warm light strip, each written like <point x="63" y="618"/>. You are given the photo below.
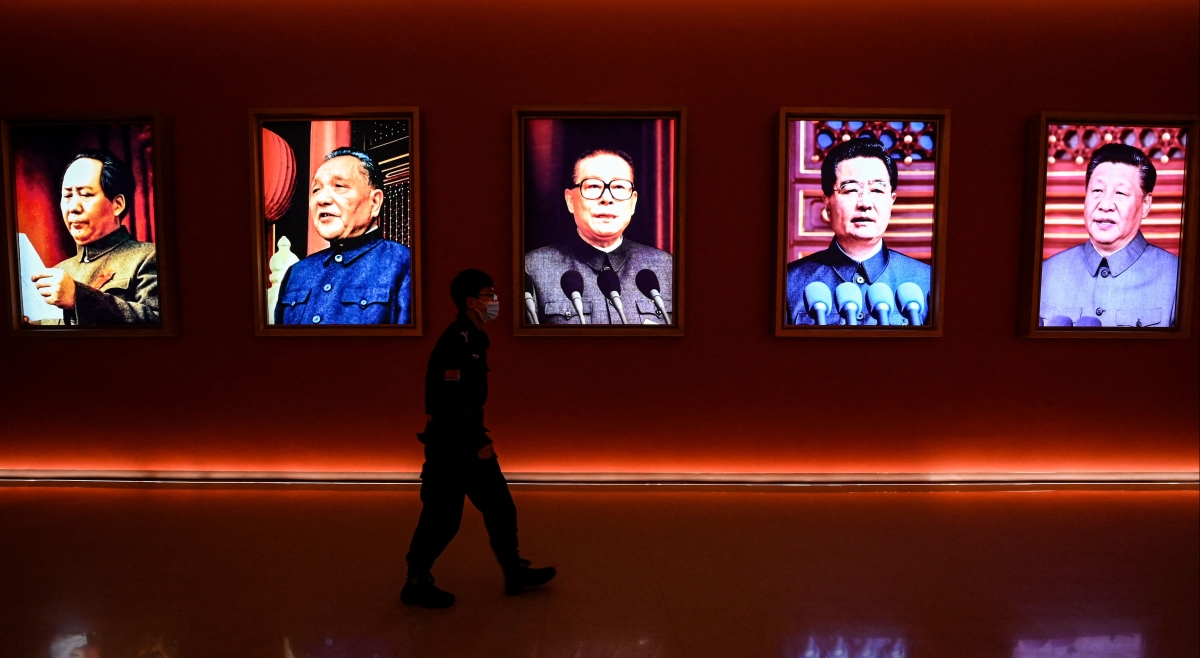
<point x="1178" y="479"/>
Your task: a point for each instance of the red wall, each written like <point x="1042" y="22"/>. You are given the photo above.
<point x="725" y="397"/>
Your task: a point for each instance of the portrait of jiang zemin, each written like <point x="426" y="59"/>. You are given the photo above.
<point x="860" y="218"/>
<point x="337" y="223"/>
<point x="85" y="226"/>
<point x="1111" y="226"/>
<point x="598" y="222"/>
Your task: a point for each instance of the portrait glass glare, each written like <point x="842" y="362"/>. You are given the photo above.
<point x="593" y="188"/>
<point x="1112" y="226"/>
<point x="597" y="222"/>
<point x="339" y="210"/>
<point x="858" y="222"/>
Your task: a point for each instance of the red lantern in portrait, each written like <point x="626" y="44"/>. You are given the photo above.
<point x="279" y="175"/>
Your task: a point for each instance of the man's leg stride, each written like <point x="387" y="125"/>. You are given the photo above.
<point x="441" y="515"/>
<point x="488" y="492"/>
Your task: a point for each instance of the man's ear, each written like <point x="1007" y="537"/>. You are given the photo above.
<point x="1146" y="201"/>
<point x="118" y="206"/>
<point x="376" y="202"/>
<point x="570" y="201"/>
<point x="633" y="203"/>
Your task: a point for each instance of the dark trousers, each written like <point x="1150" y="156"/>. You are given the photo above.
<point x="445" y="481"/>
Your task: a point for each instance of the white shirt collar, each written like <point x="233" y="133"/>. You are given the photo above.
<point x="607" y="250"/>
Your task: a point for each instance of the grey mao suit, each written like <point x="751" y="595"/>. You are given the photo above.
<point x="545" y="266"/>
<point x="116" y="281"/>
<point x="1134" y="287"/>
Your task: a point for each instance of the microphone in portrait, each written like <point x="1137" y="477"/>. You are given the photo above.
<point x="1059" y="321"/>
<point x="610" y="285"/>
<point x="911" y="300"/>
<point x="818" y="300"/>
<point x="1088" y="321"/>
<point x="530" y="302"/>
<point x="849" y="300"/>
<point x="879" y="300"/>
<point x="572" y="286"/>
<point x="647" y="282"/>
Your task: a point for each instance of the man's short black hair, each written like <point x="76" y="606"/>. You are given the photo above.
<point x="1126" y="155"/>
<point x="860" y="147"/>
<point x="593" y="153"/>
<point x="467" y="284"/>
<point x="374" y="175"/>
<point x="116" y="178"/>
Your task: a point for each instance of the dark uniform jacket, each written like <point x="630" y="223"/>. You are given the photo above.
<point x="116" y="281"/>
<point x="544" y="268"/>
<point x="456" y="388"/>
<point x="359" y="280"/>
<point x="833" y="268"/>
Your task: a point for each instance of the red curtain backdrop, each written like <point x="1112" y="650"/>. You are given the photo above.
<point x="326" y="136"/>
<point x="42" y="153"/>
<point x="551" y="148"/>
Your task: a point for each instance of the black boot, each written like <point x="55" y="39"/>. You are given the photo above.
<point x="420" y="590"/>
<point x="519" y="576"/>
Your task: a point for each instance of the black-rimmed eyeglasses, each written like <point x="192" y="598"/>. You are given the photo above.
<point x="593" y="188"/>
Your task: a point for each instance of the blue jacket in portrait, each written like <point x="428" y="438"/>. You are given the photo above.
<point x="1134" y="287"/>
<point x="833" y="267"/>
<point x="360" y="280"/>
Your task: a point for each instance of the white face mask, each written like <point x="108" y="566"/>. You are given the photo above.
<point x="490" y="310"/>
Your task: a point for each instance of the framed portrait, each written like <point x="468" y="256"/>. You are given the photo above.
<point x="598" y="221"/>
<point x="1111" y="226"/>
<point x="862" y="222"/>
<point x="337" y="222"/>
<point x="88" y="227"/>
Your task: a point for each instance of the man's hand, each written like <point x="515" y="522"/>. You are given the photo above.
<point x="56" y="287"/>
<point x="486" y="452"/>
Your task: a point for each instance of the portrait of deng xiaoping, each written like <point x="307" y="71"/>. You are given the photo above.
<point x="598" y="219"/>
<point x="337" y="223"/>
<point x="860" y="212"/>
<point x="1112" y="218"/>
<point x="85" y="226"/>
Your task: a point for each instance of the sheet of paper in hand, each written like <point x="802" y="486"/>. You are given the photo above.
<point x="33" y="306"/>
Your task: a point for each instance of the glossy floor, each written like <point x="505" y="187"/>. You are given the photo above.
<point x="643" y="572"/>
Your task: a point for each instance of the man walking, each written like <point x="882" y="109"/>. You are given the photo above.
<point x="459" y="458"/>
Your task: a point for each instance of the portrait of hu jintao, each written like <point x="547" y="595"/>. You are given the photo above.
<point x="337" y="224"/>
<point x="87" y="228"/>
<point x="598" y="221"/>
<point x="861" y="222"/>
<point x="1113" y="226"/>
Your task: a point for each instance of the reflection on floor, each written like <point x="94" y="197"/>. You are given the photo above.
<point x="1105" y="646"/>
<point x="644" y="573"/>
<point x="849" y="647"/>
